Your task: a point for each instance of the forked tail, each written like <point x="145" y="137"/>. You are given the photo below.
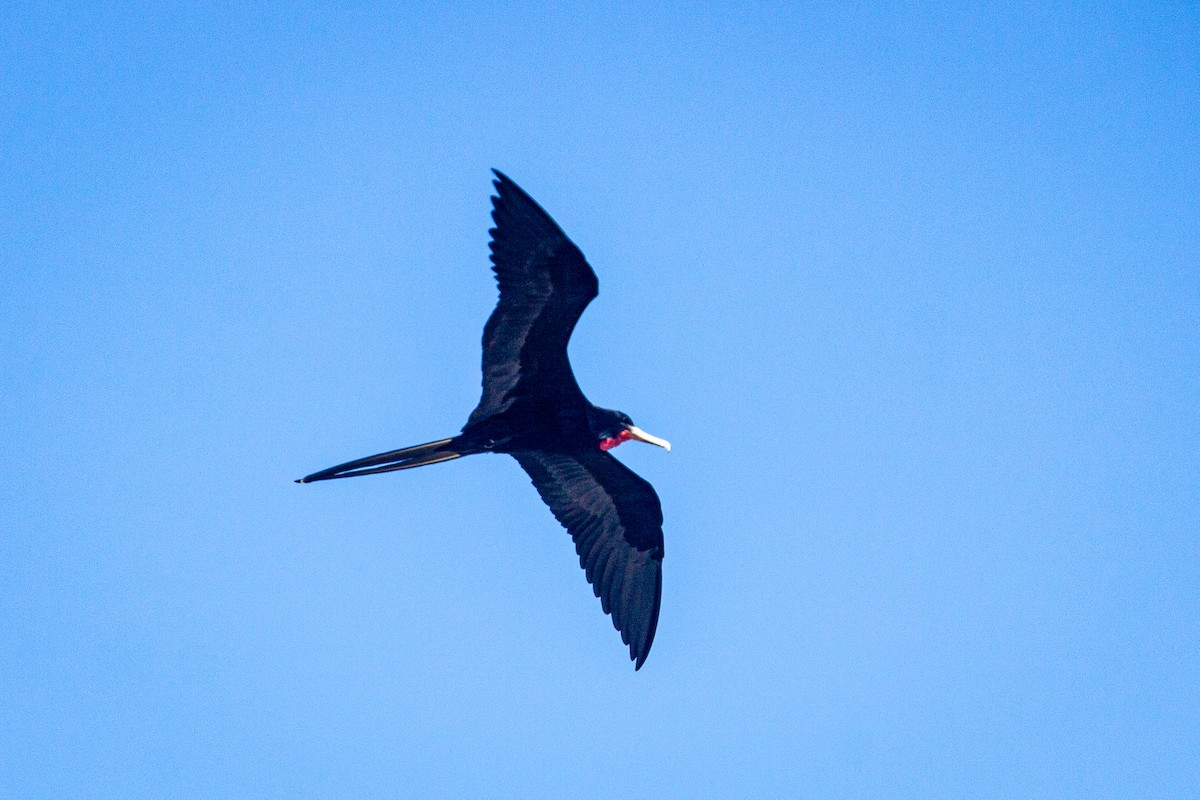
<point x="405" y="458"/>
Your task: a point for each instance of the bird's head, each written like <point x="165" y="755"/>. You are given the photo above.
<point x="613" y="427"/>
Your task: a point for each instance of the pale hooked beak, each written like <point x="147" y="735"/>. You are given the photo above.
<point x="639" y="434"/>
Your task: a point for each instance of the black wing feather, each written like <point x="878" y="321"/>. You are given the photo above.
<point x="545" y="284"/>
<point x="615" y="519"/>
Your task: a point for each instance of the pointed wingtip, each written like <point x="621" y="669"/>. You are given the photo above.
<point x="639" y="654"/>
<point x="499" y="183"/>
<point x="501" y="179"/>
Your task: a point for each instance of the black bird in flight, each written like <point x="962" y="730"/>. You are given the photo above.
<point x="533" y="409"/>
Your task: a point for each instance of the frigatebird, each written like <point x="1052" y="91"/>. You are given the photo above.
<point x="532" y="409"/>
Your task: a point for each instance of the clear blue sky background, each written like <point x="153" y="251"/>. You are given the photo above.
<point x="915" y="292"/>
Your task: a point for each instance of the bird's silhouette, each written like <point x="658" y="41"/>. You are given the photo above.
<point x="532" y="409"/>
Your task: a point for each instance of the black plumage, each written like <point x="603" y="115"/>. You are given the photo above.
<point x="532" y="408"/>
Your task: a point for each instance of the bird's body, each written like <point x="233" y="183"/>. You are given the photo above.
<point x="532" y="408"/>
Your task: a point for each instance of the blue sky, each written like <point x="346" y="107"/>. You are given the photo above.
<point x="914" y="292"/>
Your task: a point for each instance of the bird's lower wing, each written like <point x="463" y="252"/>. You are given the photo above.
<point x="615" y="518"/>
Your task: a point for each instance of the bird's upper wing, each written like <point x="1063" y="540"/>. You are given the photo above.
<point x="545" y="284"/>
<point x="615" y="518"/>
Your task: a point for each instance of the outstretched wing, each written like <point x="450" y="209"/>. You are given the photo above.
<point x="615" y="518"/>
<point x="545" y="284"/>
